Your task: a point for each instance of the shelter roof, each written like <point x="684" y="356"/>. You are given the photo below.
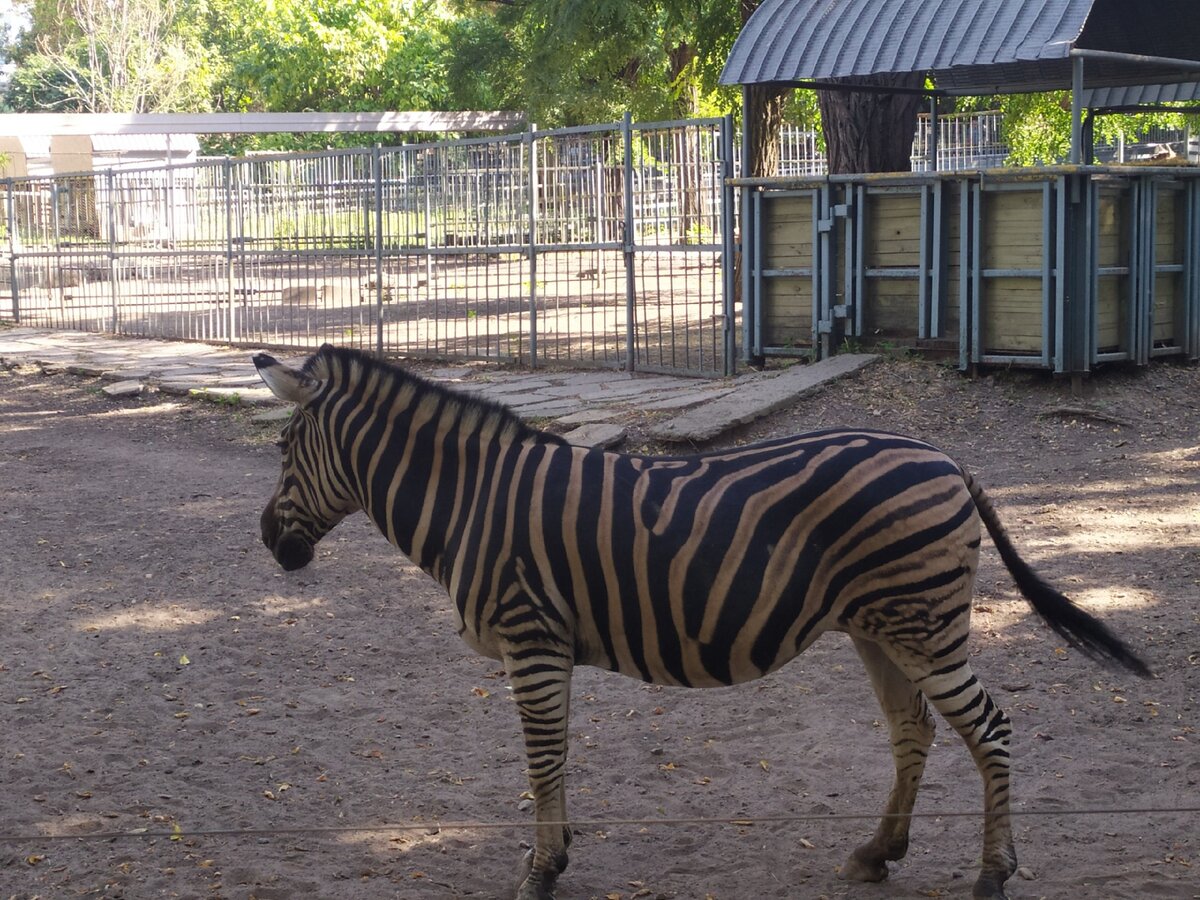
<point x="969" y="47"/>
<point x="1114" y="99"/>
<point x="247" y="123"/>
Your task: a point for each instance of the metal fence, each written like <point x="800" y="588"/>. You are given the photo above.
<point x="598" y="246"/>
<point x="974" y="141"/>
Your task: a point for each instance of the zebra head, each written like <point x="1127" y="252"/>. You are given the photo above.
<point x="307" y="502"/>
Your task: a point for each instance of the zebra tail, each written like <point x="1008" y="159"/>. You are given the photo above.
<point x="1076" y="626"/>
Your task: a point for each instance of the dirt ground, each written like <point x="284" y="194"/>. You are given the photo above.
<point x="159" y="676"/>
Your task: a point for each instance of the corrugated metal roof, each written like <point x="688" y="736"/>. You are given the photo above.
<point x="1140" y="95"/>
<point x="969" y="46"/>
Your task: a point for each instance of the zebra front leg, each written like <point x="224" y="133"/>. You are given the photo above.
<point x="910" y="725"/>
<point x="541" y="683"/>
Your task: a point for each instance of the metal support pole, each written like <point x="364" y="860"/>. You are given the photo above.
<point x="751" y="338"/>
<point x="229" y="257"/>
<point x="1076" y="110"/>
<point x="11" y="219"/>
<point x="377" y="180"/>
<point x="629" y="241"/>
<point x="934" y="137"/>
<point x="110" y="199"/>
<point x="531" y="143"/>
<point x="728" y="247"/>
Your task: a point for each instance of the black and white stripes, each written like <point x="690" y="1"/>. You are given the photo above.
<point x="702" y="570"/>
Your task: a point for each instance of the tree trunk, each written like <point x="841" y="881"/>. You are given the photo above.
<point x="869" y="132"/>
<point x="764" y="117"/>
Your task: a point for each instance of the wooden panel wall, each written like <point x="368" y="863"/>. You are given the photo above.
<point x="787" y="243"/>
<point x="1168" y="250"/>
<point x="1113" y="224"/>
<point x="1012" y="238"/>
<point x="892" y="241"/>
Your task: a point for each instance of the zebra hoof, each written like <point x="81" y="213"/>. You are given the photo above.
<point x="534" y="888"/>
<point x="533" y="885"/>
<point x="861" y="867"/>
<point x="988" y="887"/>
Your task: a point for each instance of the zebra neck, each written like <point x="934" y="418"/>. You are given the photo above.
<point x="422" y="467"/>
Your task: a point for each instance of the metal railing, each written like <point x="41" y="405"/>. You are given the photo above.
<point x="600" y="245"/>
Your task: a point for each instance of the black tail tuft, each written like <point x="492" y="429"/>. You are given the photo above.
<point x="1074" y="625"/>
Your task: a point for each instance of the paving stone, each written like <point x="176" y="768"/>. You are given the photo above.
<point x="235" y="396"/>
<point x="547" y="409"/>
<point x="123" y="389"/>
<point x="86" y="370"/>
<point x="588" y="416"/>
<point x="756" y="399"/>
<point x="179" y="388"/>
<point x="271" y="416"/>
<point x="126" y="375"/>
<point x="600" y="434"/>
<point x="682" y="401"/>
<point x="453" y="374"/>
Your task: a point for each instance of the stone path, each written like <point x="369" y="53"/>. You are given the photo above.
<point x="588" y="400"/>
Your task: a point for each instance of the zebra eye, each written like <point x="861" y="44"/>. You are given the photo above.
<point x="281" y="444"/>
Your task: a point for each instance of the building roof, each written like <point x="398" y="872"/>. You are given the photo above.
<point x="969" y="47"/>
<point x="1141" y="96"/>
<point x="251" y="123"/>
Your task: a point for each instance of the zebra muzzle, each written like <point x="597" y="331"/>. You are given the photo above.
<point x="292" y="552"/>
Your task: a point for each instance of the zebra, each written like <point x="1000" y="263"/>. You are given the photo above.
<point x="695" y="570"/>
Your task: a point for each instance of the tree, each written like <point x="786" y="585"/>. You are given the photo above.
<point x="871" y="131"/>
<point x="1037" y="127"/>
<point x="110" y="56"/>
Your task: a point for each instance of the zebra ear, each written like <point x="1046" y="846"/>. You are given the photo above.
<point x="285" y="382"/>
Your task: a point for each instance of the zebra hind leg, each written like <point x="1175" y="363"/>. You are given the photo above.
<point x="911" y="728"/>
<point x="957" y="694"/>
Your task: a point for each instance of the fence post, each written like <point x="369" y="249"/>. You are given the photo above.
<point x="11" y="219"/>
<point x="628" y="241"/>
<point x="728" y="283"/>
<point x="112" y="248"/>
<point x="531" y="142"/>
<point x="377" y="178"/>
<point x="229" y="257"/>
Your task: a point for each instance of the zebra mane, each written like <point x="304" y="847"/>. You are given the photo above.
<point x="346" y="366"/>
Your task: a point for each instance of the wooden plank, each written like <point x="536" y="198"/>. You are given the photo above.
<point x="1012" y="315"/>
<point x="1111" y="313"/>
<point x="891" y="308"/>
<point x="1168" y="222"/>
<point x="787" y="312"/>
<point x="1112" y="223"/>
<point x="1012" y="230"/>
<point x="893" y="230"/>
<point x="1166" y="303"/>
<point x="787" y="233"/>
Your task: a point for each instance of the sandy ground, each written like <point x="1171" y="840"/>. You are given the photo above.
<point x="160" y="675"/>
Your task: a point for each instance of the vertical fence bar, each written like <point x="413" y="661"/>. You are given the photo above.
<point x="531" y="143"/>
<point x="13" y="242"/>
<point x="728" y="284"/>
<point x="227" y="168"/>
<point x="110" y="202"/>
<point x="377" y="180"/>
<point x="629" y="248"/>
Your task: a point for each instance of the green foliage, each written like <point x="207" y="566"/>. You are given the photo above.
<point x="1037" y="127"/>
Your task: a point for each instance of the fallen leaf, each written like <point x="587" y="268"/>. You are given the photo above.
<point x="184" y="661"/>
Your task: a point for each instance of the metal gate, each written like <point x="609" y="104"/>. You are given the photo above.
<point x="594" y="246"/>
